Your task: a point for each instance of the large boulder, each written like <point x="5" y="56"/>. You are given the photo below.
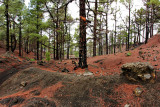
<point x="138" y="72"/>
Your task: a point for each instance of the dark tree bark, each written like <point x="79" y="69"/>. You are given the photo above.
<point x="57" y="40"/>
<point x="54" y="53"/>
<point x="129" y="25"/>
<point x="37" y="26"/>
<point x="14" y="42"/>
<point x="126" y="41"/>
<point x="147" y="23"/>
<point x="49" y="50"/>
<point x="68" y="44"/>
<point x="82" y="43"/>
<point x="138" y="38"/>
<point x="41" y="47"/>
<point x="115" y="43"/>
<point x="13" y="39"/>
<point x="27" y="45"/>
<point x="95" y="28"/>
<point x="20" y="37"/>
<point x="107" y="31"/>
<point x="7" y="24"/>
<point x="100" y="38"/>
<point x="152" y="18"/>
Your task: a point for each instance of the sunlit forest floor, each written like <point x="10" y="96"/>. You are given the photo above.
<point x="25" y="83"/>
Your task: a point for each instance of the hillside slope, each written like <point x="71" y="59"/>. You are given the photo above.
<point x="25" y="83"/>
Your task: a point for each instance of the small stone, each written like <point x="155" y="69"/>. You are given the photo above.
<point x="102" y="68"/>
<point x="23" y="83"/>
<point x="42" y="63"/>
<point x="65" y="63"/>
<point x="138" y="91"/>
<point x="127" y="105"/>
<point x="59" y="62"/>
<point x="147" y="76"/>
<point x="157" y="52"/>
<point x="65" y="70"/>
<point x="97" y="72"/>
<point x="88" y="74"/>
<point x="155" y="58"/>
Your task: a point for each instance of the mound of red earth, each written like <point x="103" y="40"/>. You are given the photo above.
<point x="58" y="83"/>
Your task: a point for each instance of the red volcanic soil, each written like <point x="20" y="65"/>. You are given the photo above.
<point x="24" y="83"/>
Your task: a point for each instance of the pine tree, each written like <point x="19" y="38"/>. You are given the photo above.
<point x="82" y="43"/>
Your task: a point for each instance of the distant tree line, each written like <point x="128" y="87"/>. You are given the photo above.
<point x="28" y="29"/>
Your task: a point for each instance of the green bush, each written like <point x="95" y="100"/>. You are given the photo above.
<point x="32" y="59"/>
<point x="129" y="54"/>
<point x="48" y="58"/>
<point x="76" y="53"/>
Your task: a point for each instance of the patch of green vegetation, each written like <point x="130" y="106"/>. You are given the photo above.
<point x="32" y="59"/>
<point x="28" y="59"/>
<point x="76" y="53"/>
<point x="129" y="54"/>
<point x="48" y="58"/>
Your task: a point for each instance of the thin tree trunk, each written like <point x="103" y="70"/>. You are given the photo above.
<point x="20" y="38"/>
<point x="13" y="40"/>
<point x="115" y="30"/>
<point x="57" y="40"/>
<point x="147" y="24"/>
<point x="7" y="24"/>
<point x="68" y="44"/>
<point x="107" y="31"/>
<point x="37" y="32"/>
<point x="41" y="47"/>
<point x="54" y="53"/>
<point x="95" y="28"/>
<point x="49" y="41"/>
<point x="129" y="26"/>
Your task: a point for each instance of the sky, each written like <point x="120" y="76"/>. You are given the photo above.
<point x="74" y="11"/>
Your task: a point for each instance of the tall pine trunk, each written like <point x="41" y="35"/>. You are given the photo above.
<point x="54" y="52"/>
<point x="129" y="26"/>
<point x="95" y="29"/>
<point x="82" y="43"/>
<point x="68" y="44"/>
<point x="147" y="23"/>
<point x="107" y="31"/>
<point x="20" y="38"/>
<point x="7" y="24"/>
<point x="57" y="40"/>
<point x="37" y="26"/>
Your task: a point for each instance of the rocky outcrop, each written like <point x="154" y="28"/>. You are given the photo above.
<point x="138" y="72"/>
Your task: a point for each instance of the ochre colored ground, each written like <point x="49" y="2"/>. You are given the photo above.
<point x="100" y="66"/>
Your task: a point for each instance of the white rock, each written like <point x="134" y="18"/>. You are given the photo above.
<point x="88" y="73"/>
<point x="127" y="105"/>
<point x="147" y="76"/>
